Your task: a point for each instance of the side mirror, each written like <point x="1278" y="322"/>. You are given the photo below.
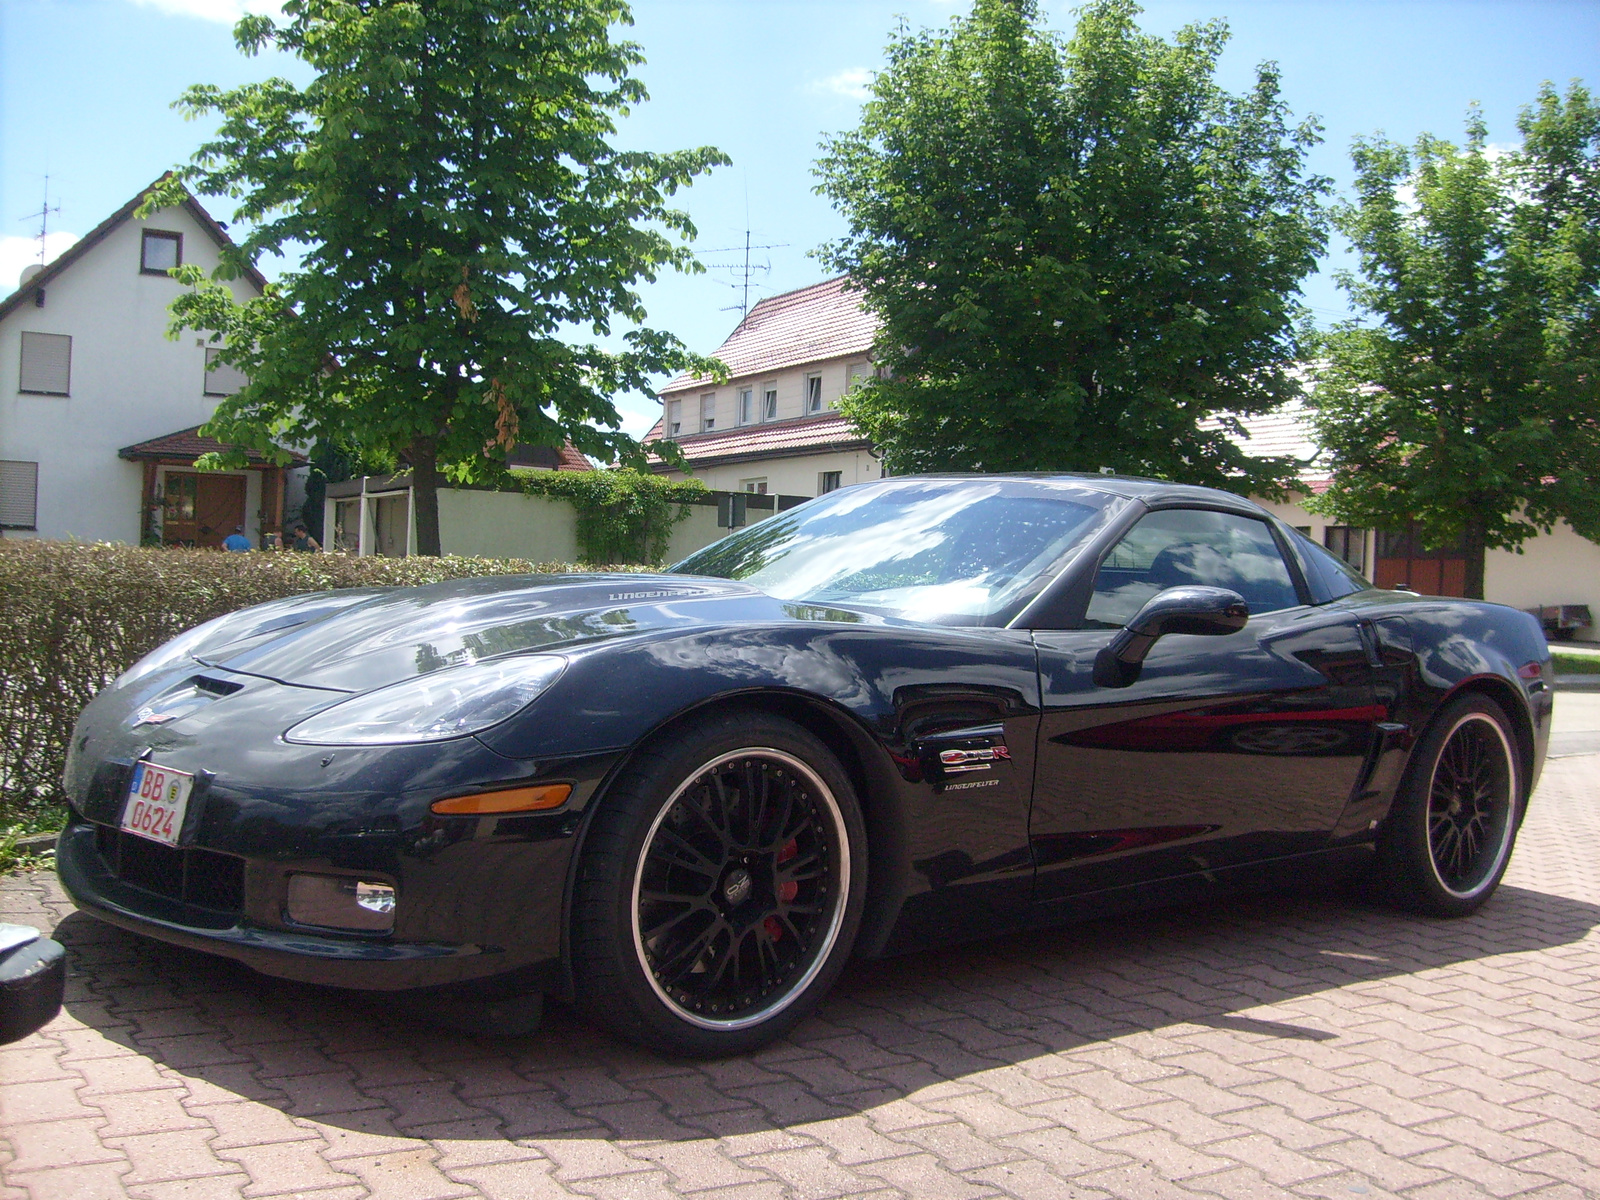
<point x="1191" y="609"/>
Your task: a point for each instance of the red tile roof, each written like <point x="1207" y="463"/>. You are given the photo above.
<point x="189" y="444"/>
<point x="1284" y="432"/>
<point x="807" y="325"/>
<point x="774" y="439"/>
<point x="568" y="458"/>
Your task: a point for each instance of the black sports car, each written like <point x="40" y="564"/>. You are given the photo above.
<point x="903" y="713"/>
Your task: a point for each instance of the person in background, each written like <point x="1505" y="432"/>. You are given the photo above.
<point x="300" y="539"/>
<point x="236" y="541"/>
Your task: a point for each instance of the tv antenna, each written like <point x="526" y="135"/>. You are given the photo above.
<point x="43" y="216"/>
<point x="743" y="273"/>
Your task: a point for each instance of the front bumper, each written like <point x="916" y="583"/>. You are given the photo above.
<point x="307" y="955"/>
<point x="477" y="897"/>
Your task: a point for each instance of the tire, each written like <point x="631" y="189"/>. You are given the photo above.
<point x="1446" y="842"/>
<point x="720" y="888"/>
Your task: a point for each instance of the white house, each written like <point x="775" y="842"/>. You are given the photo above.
<point x="773" y="427"/>
<point x="99" y="408"/>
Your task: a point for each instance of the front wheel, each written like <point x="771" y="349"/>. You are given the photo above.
<point x="720" y="888"/>
<point x="1446" y="844"/>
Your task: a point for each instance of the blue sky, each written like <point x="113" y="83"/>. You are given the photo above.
<point x="86" y="88"/>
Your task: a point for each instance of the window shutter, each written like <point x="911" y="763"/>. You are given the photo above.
<point x="19" y="495"/>
<point x="222" y="379"/>
<point x="46" y="363"/>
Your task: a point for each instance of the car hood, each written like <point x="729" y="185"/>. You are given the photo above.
<point x="395" y="635"/>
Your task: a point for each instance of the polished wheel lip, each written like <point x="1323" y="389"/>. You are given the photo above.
<point x="1507" y="824"/>
<point x="825" y="944"/>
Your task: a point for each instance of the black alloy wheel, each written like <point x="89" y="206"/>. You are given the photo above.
<point x="738" y="895"/>
<point x="720" y="889"/>
<point x="1449" y="838"/>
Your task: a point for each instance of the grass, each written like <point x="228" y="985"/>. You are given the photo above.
<point x="1570" y="662"/>
<point x="12" y="858"/>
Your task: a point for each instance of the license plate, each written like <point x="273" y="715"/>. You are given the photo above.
<point x="158" y="797"/>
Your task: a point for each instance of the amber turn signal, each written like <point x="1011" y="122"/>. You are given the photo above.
<point x="514" y="800"/>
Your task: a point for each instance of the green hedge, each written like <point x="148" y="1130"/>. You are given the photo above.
<point x="73" y="616"/>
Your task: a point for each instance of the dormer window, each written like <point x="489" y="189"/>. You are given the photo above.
<point x="159" y="251"/>
<point x="769" y="402"/>
<point x="708" y="412"/>
<point x="674" y="417"/>
<point x="747" y="406"/>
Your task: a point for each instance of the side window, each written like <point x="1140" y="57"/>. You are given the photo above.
<point x="1330" y="575"/>
<point x="1187" y="545"/>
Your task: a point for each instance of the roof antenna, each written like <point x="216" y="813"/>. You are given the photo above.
<point x="44" y="218"/>
<point x="743" y="273"/>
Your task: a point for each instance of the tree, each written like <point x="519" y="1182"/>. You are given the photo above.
<point x="1470" y="404"/>
<point x="449" y="176"/>
<point x="1078" y="251"/>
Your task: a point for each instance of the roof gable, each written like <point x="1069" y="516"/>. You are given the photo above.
<point x="189" y="444"/>
<point x="64" y="261"/>
<point x="810" y="324"/>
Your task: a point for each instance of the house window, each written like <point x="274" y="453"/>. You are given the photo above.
<point x="1349" y="543"/>
<point x="46" y="364"/>
<point x="160" y="251"/>
<point x="674" y="417"/>
<point x="813" y="393"/>
<point x="19" y="495"/>
<point x="757" y="487"/>
<point x="829" y="481"/>
<point x="747" y="406"/>
<point x="708" y="412"/>
<point x="769" y="402"/>
<point x="221" y="379"/>
<point x="857" y="373"/>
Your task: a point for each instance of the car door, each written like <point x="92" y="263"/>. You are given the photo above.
<point x="1226" y="749"/>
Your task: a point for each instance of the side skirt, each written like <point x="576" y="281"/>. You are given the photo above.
<point x="1325" y="868"/>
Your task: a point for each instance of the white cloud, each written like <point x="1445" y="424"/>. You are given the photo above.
<point x="224" y="11"/>
<point x="17" y="253"/>
<point x="854" y="83"/>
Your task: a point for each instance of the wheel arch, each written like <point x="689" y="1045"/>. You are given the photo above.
<point x="1515" y="705"/>
<point x="859" y="753"/>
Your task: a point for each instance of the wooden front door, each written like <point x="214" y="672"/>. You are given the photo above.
<point x="1403" y="560"/>
<point x="201" y="509"/>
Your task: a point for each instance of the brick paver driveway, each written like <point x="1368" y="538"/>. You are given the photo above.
<point x="1267" y="1046"/>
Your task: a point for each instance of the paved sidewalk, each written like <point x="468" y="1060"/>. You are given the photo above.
<point x="1271" y="1046"/>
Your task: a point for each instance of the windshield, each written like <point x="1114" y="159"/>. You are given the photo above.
<point x="968" y="551"/>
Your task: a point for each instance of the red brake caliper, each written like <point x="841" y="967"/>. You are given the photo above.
<point x="787" y="890"/>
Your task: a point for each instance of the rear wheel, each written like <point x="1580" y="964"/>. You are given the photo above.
<point x="720" y="888"/>
<point x="1448" y="840"/>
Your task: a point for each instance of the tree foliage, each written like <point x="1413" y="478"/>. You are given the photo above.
<point x="1079" y="250"/>
<point x="1469" y="399"/>
<point x="449" y="176"/>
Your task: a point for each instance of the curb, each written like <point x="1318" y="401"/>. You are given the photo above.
<point x="1578" y="683"/>
<point x="37" y="843"/>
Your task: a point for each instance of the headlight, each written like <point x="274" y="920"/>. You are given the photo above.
<point x="444" y="704"/>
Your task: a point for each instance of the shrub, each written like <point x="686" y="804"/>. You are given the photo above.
<point x="73" y="616"/>
<point x="623" y="515"/>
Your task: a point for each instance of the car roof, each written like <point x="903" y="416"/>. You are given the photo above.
<point x="1129" y="486"/>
